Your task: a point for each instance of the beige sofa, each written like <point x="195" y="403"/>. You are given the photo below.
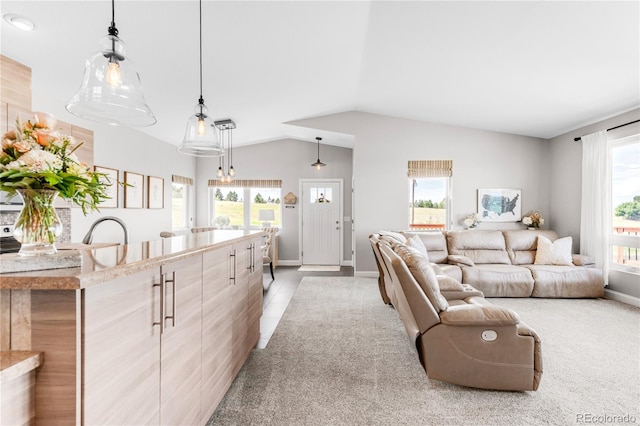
<point x="461" y="339"/>
<point x="502" y="263"/>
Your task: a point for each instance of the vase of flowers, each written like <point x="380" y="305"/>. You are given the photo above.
<point x="38" y="163"/>
<point x="471" y="221"/>
<point x="533" y="220"/>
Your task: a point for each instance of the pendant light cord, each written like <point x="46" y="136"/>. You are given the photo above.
<point x="201" y="101"/>
<point x="112" y="29"/>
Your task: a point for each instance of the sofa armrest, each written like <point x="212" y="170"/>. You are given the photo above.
<point x="480" y="315"/>
<point x="459" y="260"/>
<point x="447" y="283"/>
<point x="582" y="260"/>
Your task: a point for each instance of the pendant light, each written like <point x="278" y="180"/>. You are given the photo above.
<point x="226" y="129"/>
<point x="318" y="163"/>
<point x="111" y="91"/>
<point x="200" y="138"/>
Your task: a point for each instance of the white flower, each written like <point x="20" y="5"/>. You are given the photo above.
<point x="468" y="222"/>
<point x="527" y="220"/>
<point x="37" y="161"/>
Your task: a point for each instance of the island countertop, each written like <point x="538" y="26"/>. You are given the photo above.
<point x="108" y="263"/>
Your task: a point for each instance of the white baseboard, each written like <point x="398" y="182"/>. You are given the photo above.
<point x="298" y="263"/>
<point x="366" y="274"/>
<point x="621" y="297"/>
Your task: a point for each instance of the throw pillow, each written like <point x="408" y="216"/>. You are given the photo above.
<point x="458" y="259"/>
<point x="553" y="253"/>
<point x="416" y="242"/>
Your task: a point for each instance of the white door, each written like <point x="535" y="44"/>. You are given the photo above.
<point x="321" y="228"/>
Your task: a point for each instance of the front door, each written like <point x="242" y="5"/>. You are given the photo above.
<point x="321" y="230"/>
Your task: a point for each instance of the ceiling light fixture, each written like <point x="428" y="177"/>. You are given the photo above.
<point x="226" y="128"/>
<point x="318" y="163"/>
<point x="19" y="21"/>
<point x="111" y="91"/>
<point x="200" y="138"/>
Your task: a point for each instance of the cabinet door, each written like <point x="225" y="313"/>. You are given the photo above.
<point x="121" y="351"/>
<point x="254" y="301"/>
<point x="240" y="293"/>
<point x="217" y="312"/>
<point x="180" y="347"/>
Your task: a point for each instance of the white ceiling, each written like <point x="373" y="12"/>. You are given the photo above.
<point x="538" y="68"/>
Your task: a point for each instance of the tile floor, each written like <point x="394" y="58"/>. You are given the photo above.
<point x="278" y="293"/>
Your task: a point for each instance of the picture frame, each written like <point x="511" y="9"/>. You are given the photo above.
<point x="112" y="190"/>
<point x="133" y="190"/>
<point x="500" y="205"/>
<point x="155" y="192"/>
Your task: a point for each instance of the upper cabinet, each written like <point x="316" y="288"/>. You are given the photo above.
<point x="15" y="100"/>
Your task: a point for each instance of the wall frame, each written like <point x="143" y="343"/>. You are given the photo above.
<point x="499" y="205"/>
<point x="112" y="189"/>
<point x="155" y="192"/>
<point x="133" y="190"/>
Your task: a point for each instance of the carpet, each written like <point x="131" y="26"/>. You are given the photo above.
<point x="339" y="356"/>
<point x="319" y="268"/>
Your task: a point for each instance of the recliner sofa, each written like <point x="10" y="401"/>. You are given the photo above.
<point x="502" y="263"/>
<point x="463" y="339"/>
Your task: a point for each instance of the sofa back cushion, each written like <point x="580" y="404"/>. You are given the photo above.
<point x="436" y="244"/>
<point x="522" y="244"/>
<point x="424" y="275"/>
<point x="479" y="246"/>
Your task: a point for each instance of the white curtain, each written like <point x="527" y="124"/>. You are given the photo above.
<point x="595" y="220"/>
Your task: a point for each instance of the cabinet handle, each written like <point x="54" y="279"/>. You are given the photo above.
<point x="250" y="249"/>
<point x="162" y="303"/>
<point x="172" y="317"/>
<point x="233" y="255"/>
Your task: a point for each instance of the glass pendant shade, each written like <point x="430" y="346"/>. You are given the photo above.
<point x="200" y="137"/>
<point x="111" y="91"/>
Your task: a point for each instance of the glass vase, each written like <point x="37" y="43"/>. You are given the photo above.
<point x="38" y="224"/>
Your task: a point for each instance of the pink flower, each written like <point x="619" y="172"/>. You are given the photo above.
<point x="45" y="120"/>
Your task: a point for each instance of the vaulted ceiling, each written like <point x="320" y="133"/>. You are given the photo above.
<point x="538" y="68"/>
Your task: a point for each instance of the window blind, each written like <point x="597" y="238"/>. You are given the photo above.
<point x="430" y="168"/>
<point x="248" y="183"/>
<point x="181" y="179"/>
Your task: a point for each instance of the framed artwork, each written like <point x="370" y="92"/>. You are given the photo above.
<point x="133" y="190"/>
<point x="155" y="192"/>
<point x="499" y="205"/>
<point x="112" y="189"/>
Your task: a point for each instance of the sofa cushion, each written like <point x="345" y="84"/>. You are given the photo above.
<point x="566" y="281"/>
<point x="424" y="275"/>
<point x="416" y="242"/>
<point x="522" y="244"/>
<point x="557" y="252"/>
<point x="499" y="280"/>
<point x="456" y="259"/>
<point x="482" y="247"/>
<point x="436" y="244"/>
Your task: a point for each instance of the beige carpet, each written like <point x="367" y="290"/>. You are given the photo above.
<point x="341" y="357"/>
<point x="319" y="268"/>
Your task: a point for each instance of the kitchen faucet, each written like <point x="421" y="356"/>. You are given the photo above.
<point x="89" y="237"/>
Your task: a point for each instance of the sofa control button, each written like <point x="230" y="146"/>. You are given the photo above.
<point x="489" y="335"/>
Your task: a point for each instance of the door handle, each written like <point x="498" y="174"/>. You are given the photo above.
<point x="172" y="317"/>
<point x="162" y="304"/>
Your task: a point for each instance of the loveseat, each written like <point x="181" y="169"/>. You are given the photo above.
<point x="505" y="263"/>
<point x="463" y="338"/>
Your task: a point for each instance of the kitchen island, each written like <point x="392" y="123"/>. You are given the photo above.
<point x="143" y="333"/>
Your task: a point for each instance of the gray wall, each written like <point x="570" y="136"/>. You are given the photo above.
<point x="289" y="160"/>
<point x="481" y="159"/>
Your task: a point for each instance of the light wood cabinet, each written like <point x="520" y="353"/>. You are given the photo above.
<point x="180" y="372"/>
<point x="217" y="311"/>
<point x="121" y="350"/>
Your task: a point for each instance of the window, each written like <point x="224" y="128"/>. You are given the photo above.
<point x="625" y="203"/>
<point x="180" y="202"/>
<point x="429" y="194"/>
<point x="239" y="206"/>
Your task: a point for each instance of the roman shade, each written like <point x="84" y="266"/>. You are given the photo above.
<point x="181" y="179"/>
<point x="248" y="183"/>
<point x="430" y="168"/>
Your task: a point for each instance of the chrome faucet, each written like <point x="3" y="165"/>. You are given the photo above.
<point x="89" y="237"/>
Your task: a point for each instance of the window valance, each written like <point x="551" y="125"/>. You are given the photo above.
<point x="430" y="168"/>
<point x="248" y="183"/>
<point x="181" y="179"/>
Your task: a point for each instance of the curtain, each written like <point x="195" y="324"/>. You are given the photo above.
<point x="248" y="183"/>
<point x="595" y="219"/>
<point x="430" y="168"/>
